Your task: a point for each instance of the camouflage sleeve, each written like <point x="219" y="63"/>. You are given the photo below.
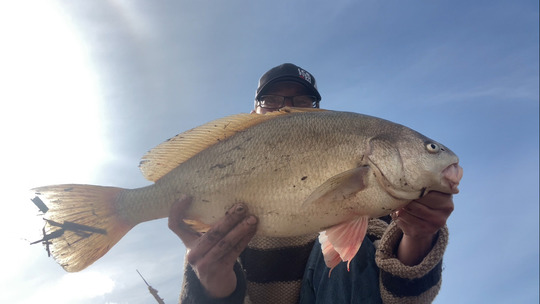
<point x="194" y="293"/>
<point x="409" y="284"/>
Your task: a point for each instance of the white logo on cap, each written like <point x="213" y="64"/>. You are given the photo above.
<point x="305" y="75"/>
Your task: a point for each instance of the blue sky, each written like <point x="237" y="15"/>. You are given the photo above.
<point x="89" y="87"/>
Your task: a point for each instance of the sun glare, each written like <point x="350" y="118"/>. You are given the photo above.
<point x="50" y="118"/>
<point x="51" y="101"/>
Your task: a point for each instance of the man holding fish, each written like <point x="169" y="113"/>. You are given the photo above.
<point x="399" y="260"/>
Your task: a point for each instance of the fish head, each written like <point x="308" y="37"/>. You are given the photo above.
<point x="409" y="165"/>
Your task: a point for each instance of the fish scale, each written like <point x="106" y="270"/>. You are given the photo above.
<point x="298" y="171"/>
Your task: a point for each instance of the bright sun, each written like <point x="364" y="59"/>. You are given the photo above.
<point x="50" y="117"/>
<point x="50" y="95"/>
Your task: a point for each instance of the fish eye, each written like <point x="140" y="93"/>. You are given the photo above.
<point x="433" y="147"/>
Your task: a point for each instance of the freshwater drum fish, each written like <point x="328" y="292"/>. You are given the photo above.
<point x="299" y="171"/>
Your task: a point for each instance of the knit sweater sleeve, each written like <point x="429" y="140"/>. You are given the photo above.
<point x="409" y="284"/>
<point x="194" y="293"/>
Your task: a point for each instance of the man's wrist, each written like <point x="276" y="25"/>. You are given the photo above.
<point x="219" y="289"/>
<point x="412" y="250"/>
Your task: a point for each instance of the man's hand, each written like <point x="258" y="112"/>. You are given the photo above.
<point x="420" y="221"/>
<point x="212" y="255"/>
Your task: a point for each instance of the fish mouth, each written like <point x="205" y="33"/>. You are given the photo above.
<point x="451" y="176"/>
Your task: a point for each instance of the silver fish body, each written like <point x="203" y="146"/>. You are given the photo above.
<point x="276" y="165"/>
<point x="299" y="172"/>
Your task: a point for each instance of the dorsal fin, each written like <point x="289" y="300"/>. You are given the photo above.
<point x="171" y="153"/>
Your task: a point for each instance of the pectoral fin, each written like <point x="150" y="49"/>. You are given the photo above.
<point x="340" y="187"/>
<point x="341" y="242"/>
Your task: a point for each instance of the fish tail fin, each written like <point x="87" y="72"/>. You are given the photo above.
<point x="341" y="242"/>
<point x="81" y="223"/>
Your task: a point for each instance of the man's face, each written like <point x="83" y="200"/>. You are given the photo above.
<point x="284" y="88"/>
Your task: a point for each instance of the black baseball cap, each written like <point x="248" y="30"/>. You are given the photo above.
<point x="288" y="72"/>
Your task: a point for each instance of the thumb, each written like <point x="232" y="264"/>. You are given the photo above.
<point x="176" y="221"/>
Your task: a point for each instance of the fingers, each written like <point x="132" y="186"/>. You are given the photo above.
<point x="434" y="204"/>
<point x="413" y="222"/>
<point x="236" y="241"/>
<point x="425" y="216"/>
<point x="225" y="252"/>
<point x="212" y="255"/>
<point x="438" y="201"/>
<point x="225" y="236"/>
<point x="176" y="221"/>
